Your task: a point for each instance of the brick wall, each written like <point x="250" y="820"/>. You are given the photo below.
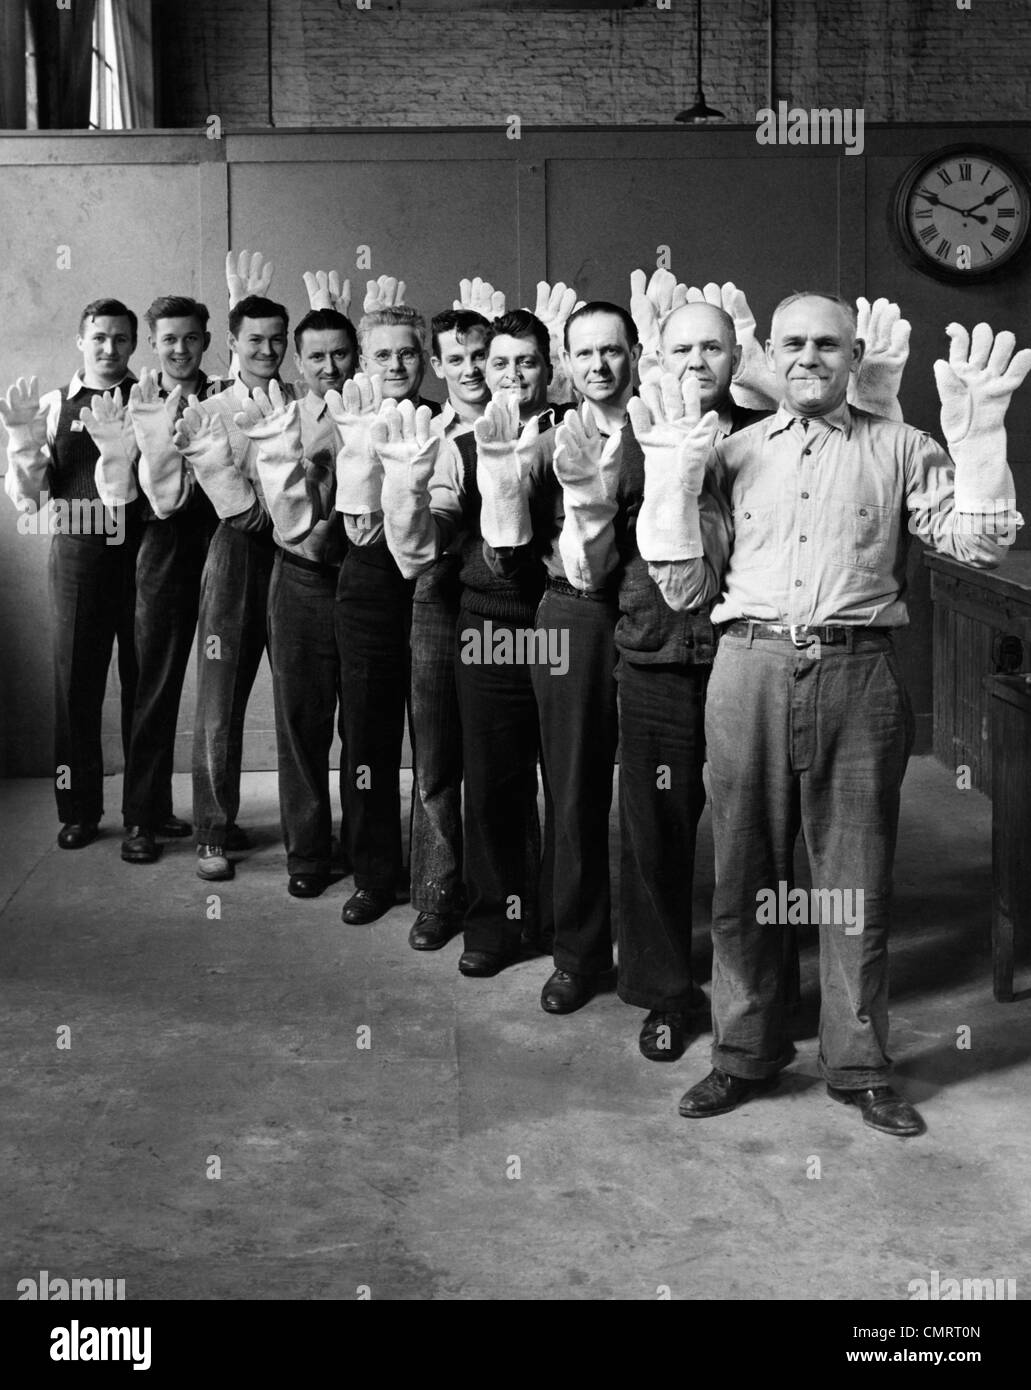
<point x="333" y="64"/>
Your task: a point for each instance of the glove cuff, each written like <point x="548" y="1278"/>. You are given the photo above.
<point x="668" y="528"/>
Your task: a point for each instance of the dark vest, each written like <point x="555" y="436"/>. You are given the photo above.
<point x="72" y="450"/>
<point x="649" y="632"/>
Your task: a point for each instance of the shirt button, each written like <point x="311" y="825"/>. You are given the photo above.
<point x="748" y="516"/>
<point x="862" y="511"/>
<point x="807" y="451"/>
<point x="805" y="496"/>
<point x="801" y="538"/>
<point x="798" y="583"/>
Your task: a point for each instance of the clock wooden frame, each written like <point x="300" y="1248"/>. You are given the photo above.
<point x="919" y="256"/>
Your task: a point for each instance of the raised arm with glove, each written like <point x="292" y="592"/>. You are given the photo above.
<point x="676" y="440"/>
<point x="104" y="419"/>
<point x="587" y="465"/>
<point x="407" y="450"/>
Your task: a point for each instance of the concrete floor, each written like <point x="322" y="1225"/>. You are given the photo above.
<point x="388" y="1167"/>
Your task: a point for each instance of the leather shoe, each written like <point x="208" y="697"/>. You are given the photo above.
<point x="139" y="845"/>
<point x="662" y="1036"/>
<point x="366" y="905"/>
<point x="212" y="863"/>
<point x="882" y="1109"/>
<point x="236" y="839"/>
<point x="431" y="930"/>
<point x="175" y="829"/>
<point x="480" y="964"/>
<point x="564" y="992"/>
<point x="720" y="1092"/>
<point x="307" y="885"/>
<point x="76" y="835"/>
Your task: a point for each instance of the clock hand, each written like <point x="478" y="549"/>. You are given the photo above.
<point x="963" y="212"/>
<point x="987" y="202"/>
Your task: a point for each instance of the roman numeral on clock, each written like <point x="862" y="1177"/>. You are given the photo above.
<point x="987" y="251"/>
<point x="928" y="234"/>
<point x="1007" y="212"/>
<point x="943" y="248"/>
<point x="945" y="176"/>
<point x="965" y="171"/>
<point x="924" y="214"/>
<point x="1002" y="234"/>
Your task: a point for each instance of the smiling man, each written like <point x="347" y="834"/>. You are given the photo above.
<point x="234" y="588"/>
<point x="808" y="724"/>
<point x="481" y="493"/>
<point x="168" y="572"/>
<point x="72" y="448"/>
<point x="303" y="650"/>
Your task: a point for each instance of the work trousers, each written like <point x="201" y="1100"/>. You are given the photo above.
<point x="817" y="743"/>
<point x="168" y="576"/>
<point x="576" y="703"/>
<point x="92" y="603"/>
<point x="307" y="693"/>
<point x="373" y="617"/>
<point x="232" y="635"/>
<point x="436" y="729"/>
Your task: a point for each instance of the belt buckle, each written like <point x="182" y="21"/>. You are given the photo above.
<point x="793" y="629"/>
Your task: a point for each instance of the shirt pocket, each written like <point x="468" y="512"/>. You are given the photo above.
<point x="756" y="535"/>
<point x="866" y="536"/>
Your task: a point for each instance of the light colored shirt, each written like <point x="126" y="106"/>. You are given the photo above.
<point x="823" y="518"/>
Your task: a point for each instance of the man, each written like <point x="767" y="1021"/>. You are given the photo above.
<point x="72" y="448"/>
<point x="578" y="718"/>
<point x="234" y="587"/>
<point x="303" y="648"/>
<point x="373" y="616"/>
<point x="807" y="722"/>
<point x="168" y="572"/>
<point x="458" y="354"/>
<point x="483" y="486"/>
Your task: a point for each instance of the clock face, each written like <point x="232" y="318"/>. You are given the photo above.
<point x="964" y="214"/>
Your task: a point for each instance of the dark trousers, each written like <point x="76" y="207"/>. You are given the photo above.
<point x="819" y="744"/>
<point x="306" y="689"/>
<point x="231" y="633"/>
<point x="579" y="731"/>
<point x="373" y="616"/>
<point x="437" y="745"/>
<point x="168" y="574"/>
<point x="92" y="601"/>
<point x="661" y="798"/>
<point x="500" y="744"/>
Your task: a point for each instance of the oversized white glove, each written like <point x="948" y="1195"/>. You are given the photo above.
<point x="676" y="440"/>
<point x="975" y="386"/>
<point x="587" y="464"/>
<point x="754" y="384"/>
<point x="384" y="293"/>
<point x="359" y="470"/>
<point x="554" y="305"/>
<point x="26" y="425"/>
<point x="105" y="422"/>
<point x="885" y="334"/>
<point x="651" y="303"/>
<point x="327" y="291"/>
<point x="201" y="437"/>
<point x="153" y="422"/>
<point x="246" y="275"/>
<point x="481" y="297"/>
<point x="274" y="423"/>
<point x="407" y="449"/>
<point x="505" y="454"/>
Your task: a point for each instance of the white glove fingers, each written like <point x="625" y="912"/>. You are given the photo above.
<point x="1002" y="351"/>
<point x="980" y="345"/>
<point x="959" y="344"/>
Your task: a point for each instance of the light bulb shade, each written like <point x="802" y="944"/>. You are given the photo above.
<point x="700" y="111"/>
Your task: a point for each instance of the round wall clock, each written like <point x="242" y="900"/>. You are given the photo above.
<point x="962" y="213"/>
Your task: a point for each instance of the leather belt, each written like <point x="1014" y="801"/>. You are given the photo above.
<point x="563" y="586"/>
<point x="315" y="566"/>
<point x="799" y="635"/>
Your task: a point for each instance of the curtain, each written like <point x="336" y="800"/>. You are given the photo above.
<point x="135" y="60"/>
<point x="64" y="62"/>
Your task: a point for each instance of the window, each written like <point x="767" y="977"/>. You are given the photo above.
<point x="106" y="110"/>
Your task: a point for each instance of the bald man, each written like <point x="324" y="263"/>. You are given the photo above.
<point x="664" y="662"/>
<point x="808" y="724"/>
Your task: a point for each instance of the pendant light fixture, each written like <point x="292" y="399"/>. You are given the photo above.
<point x="701" y="110"/>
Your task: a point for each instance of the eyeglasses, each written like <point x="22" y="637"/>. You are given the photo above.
<point x="406" y="356"/>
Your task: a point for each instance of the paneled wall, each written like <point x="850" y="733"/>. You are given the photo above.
<point x="145" y="214"/>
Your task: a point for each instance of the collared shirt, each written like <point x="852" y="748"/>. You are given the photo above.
<point x="449" y="423"/>
<point x="324" y="543"/>
<point x="822" y="519"/>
